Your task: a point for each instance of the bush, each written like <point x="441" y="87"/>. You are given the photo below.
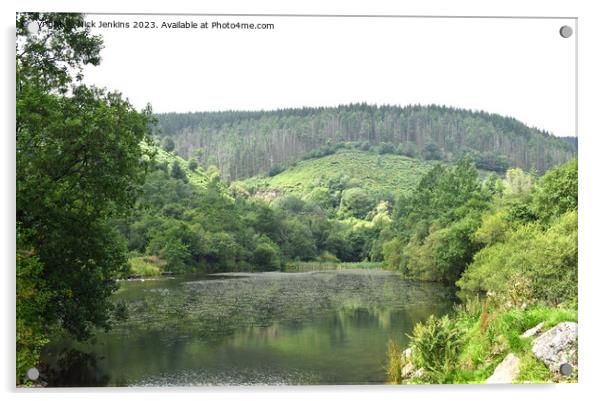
<point x="146" y="266"/>
<point x="556" y="192"/>
<point x="266" y="255"/>
<point x="275" y="170"/>
<point x="356" y="202"/>
<point x="436" y="345"/>
<point x="546" y="258"/>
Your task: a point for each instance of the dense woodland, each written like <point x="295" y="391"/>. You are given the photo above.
<point x="103" y="193"/>
<point x="243" y="144"/>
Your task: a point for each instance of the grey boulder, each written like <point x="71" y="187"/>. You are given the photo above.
<point x="506" y="371"/>
<point x="557" y="346"/>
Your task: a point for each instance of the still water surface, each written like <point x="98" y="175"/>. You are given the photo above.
<point x="328" y="327"/>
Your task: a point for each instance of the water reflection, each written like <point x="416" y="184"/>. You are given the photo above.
<point x="274" y="328"/>
<point x="74" y="367"/>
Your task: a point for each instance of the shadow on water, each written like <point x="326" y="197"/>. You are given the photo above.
<point x="272" y="328"/>
<point x="74" y="367"/>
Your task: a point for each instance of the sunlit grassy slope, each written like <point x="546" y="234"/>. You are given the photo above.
<point x="389" y="173"/>
<point x="198" y="177"/>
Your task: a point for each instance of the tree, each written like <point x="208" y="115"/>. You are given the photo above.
<point x="79" y="163"/>
<point x="356" y="202"/>
<point x="298" y="241"/>
<point x="557" y="191"/>
<point x="177" y="172"/>
<point x="518" y="181"/>
<point x="193" y="165"/>
<point x="169" y="145"/>
<point x="432" y="152"/>
<point x="266" y="255"/>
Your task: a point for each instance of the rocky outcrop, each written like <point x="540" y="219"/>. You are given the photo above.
<point x="506" y="371"/>
<point x="533" y="331"/>
<point x="557" y="346"/>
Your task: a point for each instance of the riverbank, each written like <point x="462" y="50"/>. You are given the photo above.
<point x="469" y="346"/>
<point x="145" y="267"/>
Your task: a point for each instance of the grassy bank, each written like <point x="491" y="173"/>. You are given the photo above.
<point x="146" y="266"/>
<point x="467" y="347"/>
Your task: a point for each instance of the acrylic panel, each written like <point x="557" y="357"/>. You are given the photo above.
<point x="295" y="200"/>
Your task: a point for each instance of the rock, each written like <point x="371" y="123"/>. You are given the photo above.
<point x="407" y="370"/>
<point x="533" y="331"/>
<point x="557" y="346"/>
<point x="506" y="371"/>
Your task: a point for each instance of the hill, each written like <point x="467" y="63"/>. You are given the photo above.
<point x="243" y="144"/>
<point x="348" y="168"/>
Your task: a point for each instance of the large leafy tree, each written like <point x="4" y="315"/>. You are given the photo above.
<point x="79" y="163"/>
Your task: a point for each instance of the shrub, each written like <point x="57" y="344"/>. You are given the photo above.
<point x="266" y="255"/>
<point x="436" y="345"/>
<point x="545" y="259"/>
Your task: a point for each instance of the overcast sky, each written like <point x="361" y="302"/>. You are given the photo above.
<point x="516" y="67"/>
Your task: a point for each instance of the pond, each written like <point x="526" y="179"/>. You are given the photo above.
<point x="324" y="327"/>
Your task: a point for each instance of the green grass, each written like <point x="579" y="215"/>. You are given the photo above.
<point x="146" y="266"/>
<point x="388" y="173"/>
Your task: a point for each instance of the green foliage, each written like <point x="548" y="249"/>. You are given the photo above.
<point x="518" y="181"/>
<point x="432" y="152"/>
<point x="298" y="241"/>
<point x="177" y="172"/>
<point x="532" y="370"/>
<point x="467" y="347"/>
<point x="79" y="164"/>
<point x="436" y="224"/>
<point x="436" y="345"/>
<point x="334" y="173"/>
<point x="193" y="165"/>
<point x="540" y="250"/>
<point x="146" y="266"/>
<point x="61" y="48"/>
<point x="556" y="192"/>
<point x="168" y="144"/>
<point x="32" y="295"/>
<point x="356" y="202"/>
<point x="547" y="258"/>
<point x="266" y="254"/>
<point x="494" y="228"/>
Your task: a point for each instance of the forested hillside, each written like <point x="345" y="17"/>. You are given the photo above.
<point x="244" y="144"/>
<point x="190" y="220"/>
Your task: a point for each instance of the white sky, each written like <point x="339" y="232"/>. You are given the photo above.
<point x="517" y="67"/>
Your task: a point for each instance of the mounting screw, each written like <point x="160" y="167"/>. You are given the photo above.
<point x="566" y="369"/>
<point x="33" y="374"/>
<point x="566" y="31"/>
